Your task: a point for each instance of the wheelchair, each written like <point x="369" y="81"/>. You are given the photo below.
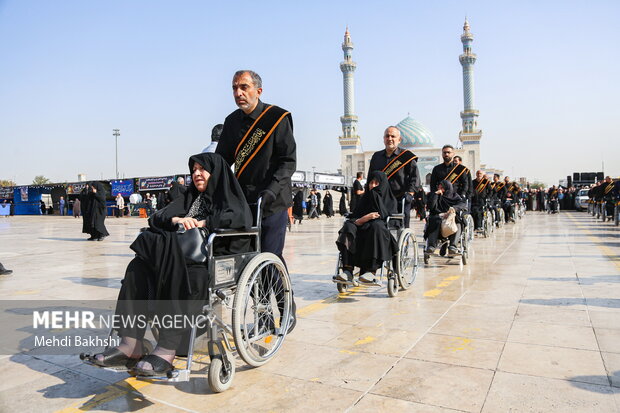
<point x="488" y="220"/>
<point x="520" y="209"/>
<point x="402" y="269"/>
<point x="259" y="287"/>
<point x="553" y="206"/>
<point x="462" y="245"/>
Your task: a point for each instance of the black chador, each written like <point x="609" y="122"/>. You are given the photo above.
<point x="261" y="147"/>
<point x="161" y="268"/>
<point x="328" y="205"/>
<point x="342" y="205"/>
<point x="98" y="212"/>
<point x="453" y="173"/>
<point x="176" y="191"/>
<point x="85" y="203"/>
<point x="368" y="245"/>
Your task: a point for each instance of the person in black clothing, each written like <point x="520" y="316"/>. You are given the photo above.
<point x="98" y="211"/>
<point x="456" y="174"/>
<point x="400" y="167"/>
<point x="470" y="191"/>
<point x="177" y="190"/>
<point x="481" y="191"/>
<point x="357" y="191"/>
<point x="298" y="206"/>
<point x="365" y="240"/>
<point x="342" y="205"/>
<point x="258" y="141"/>
<point x="498" y="193"/>
<point x="439" y="202"/>
<point x="328" y="205"/>
<point x="509" y="199"/>
<point x="161" y="273"/>
<point x="419" y="201"/>
<point x="609" y="197"/>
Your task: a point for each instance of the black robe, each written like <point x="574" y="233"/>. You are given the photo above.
<point x="298" y="205"/>
<point x="176" y="190"/>
<point x="342" y="206"/>
<point x="438" y="204"/>
<point x="328" y="205"/>
<point x="98" y="211"/>
<point x="85" y="202"/>
<point x="371" y="243"/>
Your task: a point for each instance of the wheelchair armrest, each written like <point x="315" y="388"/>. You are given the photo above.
<point x="230" y="231"/>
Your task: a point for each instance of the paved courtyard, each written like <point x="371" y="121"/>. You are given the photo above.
<point x="531" y="324"/>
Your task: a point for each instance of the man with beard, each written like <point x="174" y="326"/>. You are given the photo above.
<point x="400" y="167"/>
<point x="449" y="170"/>
<point x="257" y="139"/>
<point x="470" y="191"/>
<point x="481" y="191"/>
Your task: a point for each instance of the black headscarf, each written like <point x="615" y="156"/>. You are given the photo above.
<point x="379" y="199"/>
<point x="223" y="200"/>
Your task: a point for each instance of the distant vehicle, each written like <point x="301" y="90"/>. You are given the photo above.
<point x="581" y="201"/>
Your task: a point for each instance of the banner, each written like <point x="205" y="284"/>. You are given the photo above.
<point x="162" y="182"/>
<point x="329" y="179"/>
<point x="6" y="192"/>
<point x="75" y="188"/>
<point x="299" y="177"/>
<point x="24" y="193"/>
<point x="123" y="187"/>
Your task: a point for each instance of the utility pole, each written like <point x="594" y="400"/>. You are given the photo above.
<point x="116" y="133"/>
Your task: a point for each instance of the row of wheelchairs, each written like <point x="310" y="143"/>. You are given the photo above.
<point x="255" y="286"/>
<point x="599" y="210"/>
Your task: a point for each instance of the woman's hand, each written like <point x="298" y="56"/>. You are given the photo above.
<point x="366" y="218"/>
<point x="439" y="191"/>
<point x="188" y="222"/>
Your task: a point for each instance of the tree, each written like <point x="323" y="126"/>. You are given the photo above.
<point x="7" y="182"/>
<point x="537" y="185"/>
<point x="40" y="180"/>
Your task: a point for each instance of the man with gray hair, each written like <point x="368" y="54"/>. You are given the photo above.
<point x="257" y="140"/>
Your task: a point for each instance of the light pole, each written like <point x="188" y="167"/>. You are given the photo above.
<point x="116" y="133"/>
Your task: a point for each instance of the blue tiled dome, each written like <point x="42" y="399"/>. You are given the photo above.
<point x="414" y="134"/>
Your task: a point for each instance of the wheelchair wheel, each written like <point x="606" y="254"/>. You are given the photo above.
<point x="469" y="220"/>
<point x="392" y="286"/>
<point x="221" y="378"/>
<point x="464" y="257"/>
<point x="262" y="309"/>
<point x="342" y="288"/>
<point x="407" y="259"/>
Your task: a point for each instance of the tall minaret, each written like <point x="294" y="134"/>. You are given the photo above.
<point x="470" y="135"/>
<point x="349" y="141"/>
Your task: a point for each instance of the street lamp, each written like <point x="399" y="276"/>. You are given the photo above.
<point x="116" y="133"/>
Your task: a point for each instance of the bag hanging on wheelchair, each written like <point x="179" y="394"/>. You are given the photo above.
<point x="448" y="223"/>
<point x="193" y="243"/>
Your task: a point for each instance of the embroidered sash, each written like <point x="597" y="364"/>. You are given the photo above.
<point x="481" y="185"/>
<point x="256" y="137"/>
<point x="456" y="173"/>
<point x="609" y="187"/>
<point x="398" y="163"/>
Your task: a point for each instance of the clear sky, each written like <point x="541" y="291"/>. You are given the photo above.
<point x="546" y="79"/>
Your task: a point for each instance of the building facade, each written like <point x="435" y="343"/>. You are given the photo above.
<point x="415" y="136"/>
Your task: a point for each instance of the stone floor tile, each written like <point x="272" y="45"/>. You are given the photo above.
<point x="553" y="362"/>
<point x="551" y="315"/>
<point x="473" y="328"/>
<point x="460" y="351"/>
<point x="443" y="385"/>
<point x="612" y="365"/>
<point x="378" y="340"/>
<point x="608" y="339"/>
<point x="553" y="335"/>
<point x="518" y="393"/>
<point x="375" y="403"/>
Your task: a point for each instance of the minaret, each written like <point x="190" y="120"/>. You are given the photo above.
<point x="349" y="141"/>
<point x="470" y="135"/>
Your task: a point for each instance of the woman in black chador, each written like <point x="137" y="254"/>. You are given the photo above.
<point x="364" y="240"/>
<point x="213" y="200"/>
<point x="342" y="206"/>
<point x="98" y="209"/>
<point x="439" y="202"/>
<point x="298" y="206"/>
<point x="328" y="205"/>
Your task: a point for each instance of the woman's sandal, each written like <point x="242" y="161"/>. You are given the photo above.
<point x="112" y="358"/>
<point x="160" y="366"/>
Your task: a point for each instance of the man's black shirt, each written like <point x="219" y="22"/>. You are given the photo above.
<point x="479" y="198"/>
<point x="407" y="179"/>
<point x="273" y="165"/>
<point x="441" y="171"/>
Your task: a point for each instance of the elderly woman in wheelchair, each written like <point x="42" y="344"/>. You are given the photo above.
<point x="185" y="283"/>
<point x="365" y="240"/>
<point x="439" y="203"/>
